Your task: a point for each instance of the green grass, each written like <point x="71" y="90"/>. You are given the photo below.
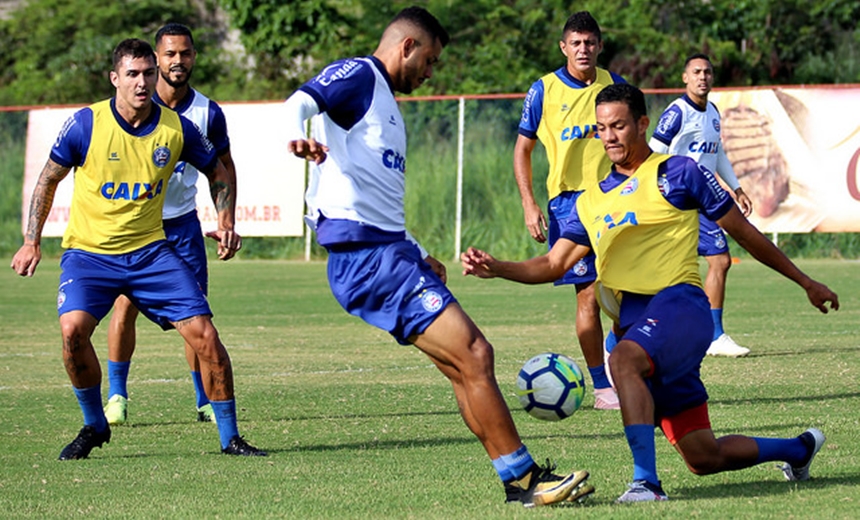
<point x="359" y="427"/>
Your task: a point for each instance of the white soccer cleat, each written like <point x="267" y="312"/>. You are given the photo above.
<point x="725" y="346"/>
<point x="642" y="491"/>
<point x="815" y="440"/>
<point x="606" y="399"/>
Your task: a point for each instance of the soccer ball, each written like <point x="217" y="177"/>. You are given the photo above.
<point x="550" y="386"/>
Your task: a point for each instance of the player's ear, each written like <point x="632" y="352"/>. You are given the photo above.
<point x="408" y="46"/>
<point x="643" y="123"/>
<point x="114" y="78"/>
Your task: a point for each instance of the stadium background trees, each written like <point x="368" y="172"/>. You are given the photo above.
<point x="55" y="51"/>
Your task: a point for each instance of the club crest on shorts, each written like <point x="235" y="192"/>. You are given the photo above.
<point x="161" y="156"/>
<point x="580" y="268"/>
<point x="431" y="300"/>
<point x="61" y="298"/>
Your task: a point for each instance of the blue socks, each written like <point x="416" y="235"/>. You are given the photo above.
<point x="225" y="414"/>
<point x="793" y="451"/>
<point x="90" y="400"/>
<point x="118" y="377"/>
<point x="610" y="341"/>
<point x="517" y="463"/>
<point x="502" y="469"/>
<point x="202" y="400"/>
<point x="717" y="316"/>
<point x="598" y="377"/>
<point x="640" y="438"/>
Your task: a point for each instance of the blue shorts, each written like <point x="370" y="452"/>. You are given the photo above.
<point x="712" y="239"/>
<point x="559" y="210"/>
<point x="154" y="278"/>
<point x="185" y="235"/>
<point x="389" y="286"/>
<point x="675" y="329"/>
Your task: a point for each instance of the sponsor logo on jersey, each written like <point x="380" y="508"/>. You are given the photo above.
<point x="631" y="187"/>
<point x="392" y="121"/>
<point x="337" y="71"/>
<point x="70" y="122"/>
<point x="131" y="191"/>
<point x="431" y="301"/>
<point x="161" y="156"/>
<point x="704" y="147"/>
<point x="114" y="156"/>
<point x="666" y="122"/>
<point x="394" y="161"/>
<point x="579" y="132"/>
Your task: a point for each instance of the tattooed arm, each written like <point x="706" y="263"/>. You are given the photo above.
<point x="222" y="187"/>
<point x="28" y="256"/>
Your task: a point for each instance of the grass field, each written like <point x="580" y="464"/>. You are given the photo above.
<point x="359" y="427"/>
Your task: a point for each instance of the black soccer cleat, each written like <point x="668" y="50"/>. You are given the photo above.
<point x="87" y="439"/>
<point x="238" y="446"/>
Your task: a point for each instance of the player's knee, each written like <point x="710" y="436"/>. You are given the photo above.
<point x="702" y="465"/>
<point x="720" y="263"/>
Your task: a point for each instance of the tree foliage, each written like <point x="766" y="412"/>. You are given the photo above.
<point x="58" y="51"/>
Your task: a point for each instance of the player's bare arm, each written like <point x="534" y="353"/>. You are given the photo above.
<point x="222" y="187"/>
<point x="765" y="252"/>
<point x="28" y="256"/>
<point x="438" y="268"/>
<point x="744" y="202"/>
<point x="540" y="269"/>
<point x="535" y="220"/>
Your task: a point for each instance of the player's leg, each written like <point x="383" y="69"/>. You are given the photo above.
<point x="165" y="291"/>
<point x="185" y="236"/>
<point x="121" y="343"/>
<point x="704" y="454"/>
<point x="462" y="353"/>
<point x="589" y="330"/>
<point x="89" y="284"/>
<point x="713" y="246"/>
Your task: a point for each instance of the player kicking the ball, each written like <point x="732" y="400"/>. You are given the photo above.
<point x="642" y="223"/>
<point x="375" y="269"/>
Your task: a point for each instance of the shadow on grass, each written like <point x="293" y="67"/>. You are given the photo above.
<point x="783" y="399"/>
<point x="756" y="489"/>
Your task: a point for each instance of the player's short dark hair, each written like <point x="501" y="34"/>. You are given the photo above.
<point x="581" y="22"/>
<point x="424" y="20"/>
<point x="697" y="56"/>
<point x="624" y="93"/>
<point x="134" y="47"/>
<point x="173" y="29"/>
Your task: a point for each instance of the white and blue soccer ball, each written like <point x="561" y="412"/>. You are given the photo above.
<point x="551" y="386"/>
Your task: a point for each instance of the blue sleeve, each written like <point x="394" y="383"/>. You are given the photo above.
<point x="616" y="78"/>
<point x="688" y="185"/>
<point x="197" y="150"/>
<point x="574" y="230"/>
<point x="668" y="125"/>
<point x="71" y="147"/>
<point x="532" y="111"/>
<point x="344" y="90"/>
<point x="218" y="129"/>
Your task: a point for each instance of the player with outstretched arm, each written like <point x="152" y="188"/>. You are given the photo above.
<point x="642" y="223"/>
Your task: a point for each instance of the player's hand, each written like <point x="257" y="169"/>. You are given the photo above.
<point x="26" y="259"/>
<point x="535" y="223"/>
<point x="308" y="149"/>
<point x="229" y="242"/>
<point x="438" y="268"/>
<point x="819" y="294"/>
<point x="744" y="202"/>
<point x="477" y="263"/>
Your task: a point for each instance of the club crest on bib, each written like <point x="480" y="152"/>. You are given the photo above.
<point x="161" y="156"/>
<point x="631" y="187"/>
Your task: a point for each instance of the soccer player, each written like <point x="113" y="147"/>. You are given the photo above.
<point x="642" y="222"/>
<point x="376" y="270"/>
<point x="176" y="55"/>
<point x="690" y="126"/>
<point x="559" y="111"/>
<point x="124" y="151"/>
